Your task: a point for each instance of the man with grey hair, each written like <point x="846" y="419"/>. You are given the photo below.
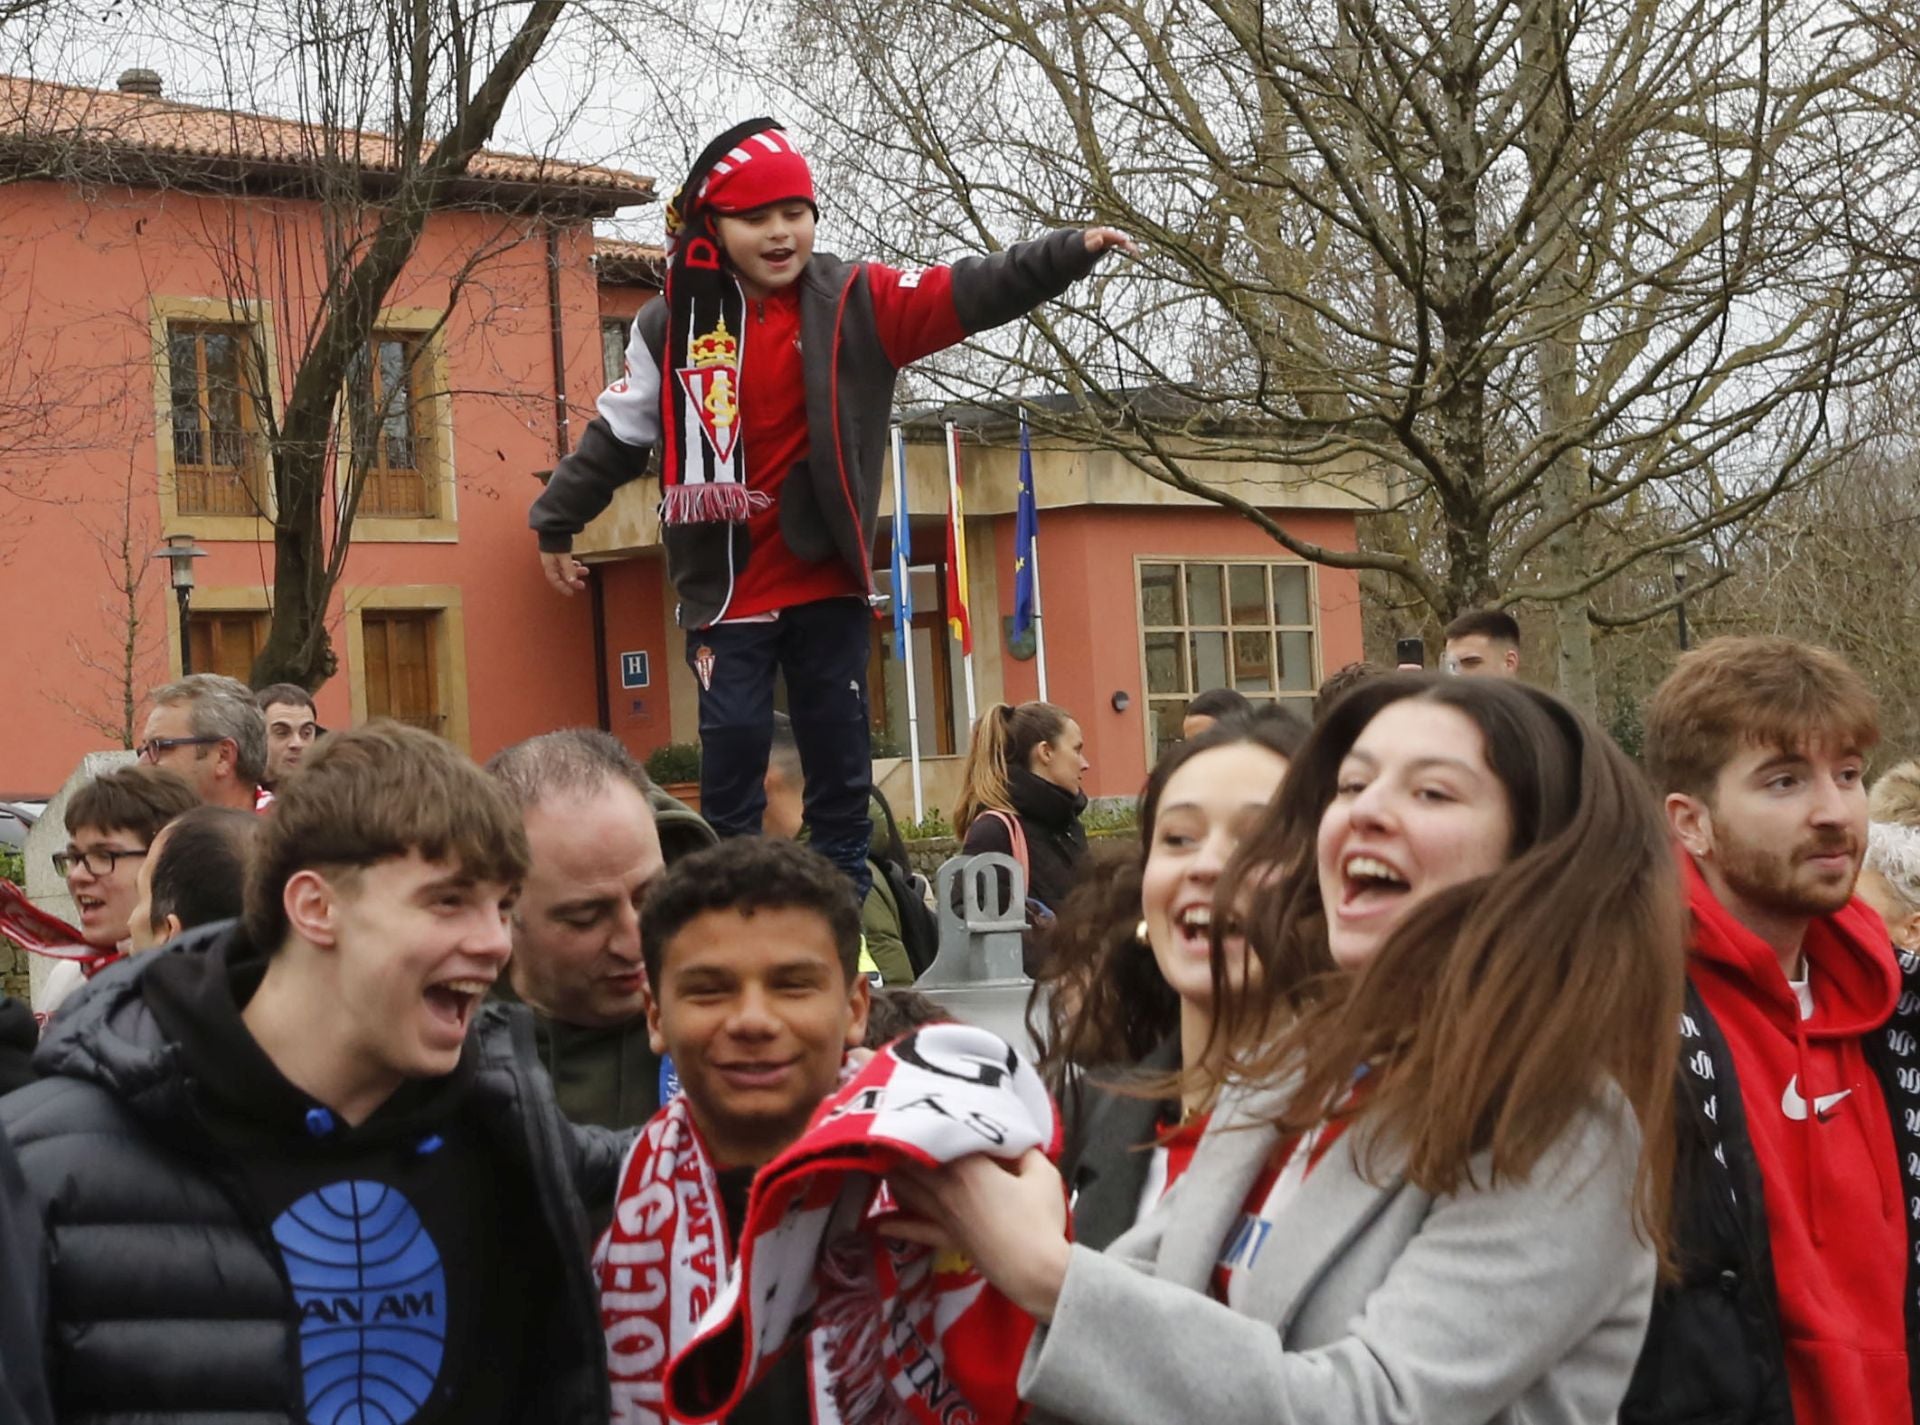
<point x="1890" y="879"/>
<point x="207" y="728"/>
<point x="596" y="845"/>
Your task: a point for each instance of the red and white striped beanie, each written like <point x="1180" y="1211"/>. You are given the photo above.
<point x="763" y="168"/>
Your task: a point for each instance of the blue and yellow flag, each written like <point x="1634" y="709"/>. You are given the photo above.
<point x="1026" y="531"/>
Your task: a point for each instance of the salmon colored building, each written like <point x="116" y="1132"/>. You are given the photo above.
<point x="127" y="286"/>
<point x="171" y="253"/>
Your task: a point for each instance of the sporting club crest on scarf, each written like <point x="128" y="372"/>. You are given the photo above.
<point x="895" y="1334"/>
<point x="703" y="470"/>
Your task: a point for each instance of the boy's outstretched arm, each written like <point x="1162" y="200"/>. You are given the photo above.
<point x="919" y="313"/>
<point x="613" y="450"/>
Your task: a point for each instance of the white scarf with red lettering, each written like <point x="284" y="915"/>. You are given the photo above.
<point x="661" y="1263"/>
<point x="894" y="1335"/>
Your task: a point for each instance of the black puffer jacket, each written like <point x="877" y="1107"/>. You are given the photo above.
<point x="23" y="1304"/>
<point x="1056" y="842"/>
<point x="169" y="1302"/>
<point x="18" y="1035"/>
<point x="1056" y="850"/>
<point x="1713" y="1354"/>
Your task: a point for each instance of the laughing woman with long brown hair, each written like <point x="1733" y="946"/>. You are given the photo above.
<point x="1436" y="1193"/>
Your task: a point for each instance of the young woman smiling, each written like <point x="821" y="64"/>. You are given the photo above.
<point x="1130" y="982"/>
<point x="1436" y="1192"/>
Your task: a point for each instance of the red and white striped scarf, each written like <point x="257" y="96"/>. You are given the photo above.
<point x="895" y="1335"/>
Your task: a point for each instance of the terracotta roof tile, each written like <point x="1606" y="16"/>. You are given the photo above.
<point x="619" y="250"/>
<point x="619" y="263"/>
<point x="37" y="111"/>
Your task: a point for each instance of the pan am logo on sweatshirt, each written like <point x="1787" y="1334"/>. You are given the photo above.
<point x="372" y="1296"/>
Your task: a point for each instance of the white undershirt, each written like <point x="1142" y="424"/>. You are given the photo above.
<point x="1803" y="991"/>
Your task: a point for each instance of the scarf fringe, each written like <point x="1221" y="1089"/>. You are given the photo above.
<point x="851" y="1321"/>
<point x="723" y="502"/>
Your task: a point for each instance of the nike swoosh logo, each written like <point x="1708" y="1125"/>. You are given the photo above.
<point x="1795" y="1107"/>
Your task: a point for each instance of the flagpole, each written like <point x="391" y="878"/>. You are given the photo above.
<point x="902" y="603"/>
<point x="1033" y="554"/>
<point x="960" y="547"/>
<point x="1039" y="617"/>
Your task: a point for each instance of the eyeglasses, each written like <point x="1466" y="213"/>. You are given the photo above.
<point x="153" y="747"/>
<point x="98" y="863"/>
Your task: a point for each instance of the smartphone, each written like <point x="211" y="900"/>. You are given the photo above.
<point x="1410" y="651"/>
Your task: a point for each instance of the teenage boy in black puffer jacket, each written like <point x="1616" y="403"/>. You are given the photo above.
<point x="291" y="1168"/>
<point x="766" y="377"/>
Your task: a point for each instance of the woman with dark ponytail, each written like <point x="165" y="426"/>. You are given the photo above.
<point x="1021" y="795"/>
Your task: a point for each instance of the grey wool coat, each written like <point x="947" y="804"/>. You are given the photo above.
<point x="1370" y="1303"/>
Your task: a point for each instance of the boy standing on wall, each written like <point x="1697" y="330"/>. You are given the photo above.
<point x="766" y="378"/>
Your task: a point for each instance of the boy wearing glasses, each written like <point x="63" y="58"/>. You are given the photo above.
<point x="206" y="728"/>
<point x="111" y="822"/>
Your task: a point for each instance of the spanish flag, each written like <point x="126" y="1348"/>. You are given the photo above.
<point x="958" y="618"/>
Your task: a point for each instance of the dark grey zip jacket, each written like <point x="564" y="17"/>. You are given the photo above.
<point x="169" y="1302"/>
<point x="828" y="508"/>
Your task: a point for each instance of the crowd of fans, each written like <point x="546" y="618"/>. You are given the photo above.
<point x="1433" y="1062"/>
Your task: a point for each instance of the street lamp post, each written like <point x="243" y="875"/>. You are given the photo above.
<point x="180" y="552"/>
<point x="1677" y="561"/>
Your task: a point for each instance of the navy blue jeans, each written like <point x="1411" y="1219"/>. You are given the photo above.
<point x="821" y="648"/>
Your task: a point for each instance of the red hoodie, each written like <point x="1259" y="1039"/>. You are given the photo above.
<point x="1819" y="1126"/>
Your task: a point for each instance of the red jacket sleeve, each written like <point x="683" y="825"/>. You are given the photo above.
<point x="914" y="311"/>
<point x="919" y="313"/>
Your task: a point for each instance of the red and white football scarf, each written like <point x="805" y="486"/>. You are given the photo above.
<point x="661" y="1263"/>
<point x="894" y="1334"/>
<point x="703" y="461"/>
<point x="32" y="928"/>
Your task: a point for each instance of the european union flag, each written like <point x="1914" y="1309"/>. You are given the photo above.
<point x="1026" y="530"/>
<point x="902" y="549"/>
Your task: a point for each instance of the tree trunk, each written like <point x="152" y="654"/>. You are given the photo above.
<point x="298" y="649"/>
<point x="1557" y="326"/>
<point x="1573" y="671"/>
<point x="312" y="532"/>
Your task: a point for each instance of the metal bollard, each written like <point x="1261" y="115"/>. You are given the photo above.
<point x="978" y="974"/>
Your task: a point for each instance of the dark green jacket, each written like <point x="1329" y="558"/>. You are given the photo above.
<point x="683" y="830"/>
<point x="880" y="924"/>
<point x="611" y="1077"/>
<point x="606" y="1077"/>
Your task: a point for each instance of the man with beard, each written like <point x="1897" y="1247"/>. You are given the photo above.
<point x="1799" y="1099"/>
